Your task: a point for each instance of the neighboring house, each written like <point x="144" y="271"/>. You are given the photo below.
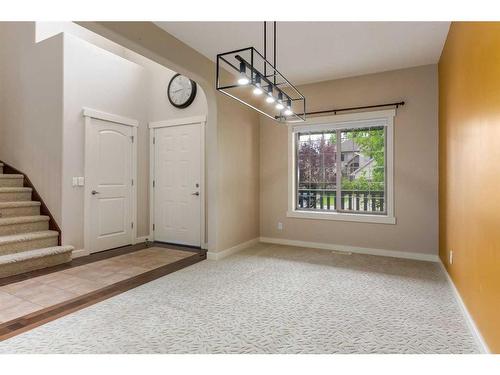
<point x="354" y="163"/>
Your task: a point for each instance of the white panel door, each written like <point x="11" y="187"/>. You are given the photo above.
<point x="177" y="200"/>
<point x="110" y="185"/>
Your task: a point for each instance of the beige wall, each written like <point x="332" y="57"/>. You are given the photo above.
<point x="415" y="164"/>
<point x="98" y="79"/>
<point x="157" y="80"/>
<point x="239" y="173"/>
<point x="31" y="108"/>
<point x="45" y="30"/>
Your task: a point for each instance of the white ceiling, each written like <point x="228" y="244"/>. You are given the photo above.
<point x="318" y="51"/>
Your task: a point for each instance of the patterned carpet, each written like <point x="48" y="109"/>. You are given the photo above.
<point x="270" y="299"/>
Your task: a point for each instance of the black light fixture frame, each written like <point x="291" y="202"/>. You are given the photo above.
<point x="267" y="80"/>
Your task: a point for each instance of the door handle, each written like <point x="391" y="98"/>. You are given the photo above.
<point x="196" y="193"/>
<point x="93" y="192"/>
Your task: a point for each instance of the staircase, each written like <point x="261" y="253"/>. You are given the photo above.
<point x="26" y="243"/>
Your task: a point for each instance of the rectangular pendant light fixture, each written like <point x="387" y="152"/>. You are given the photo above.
<point x="248" y="77"/>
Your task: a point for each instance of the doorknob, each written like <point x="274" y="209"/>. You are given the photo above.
<point x="93" y="192"/>
<point x="197" y="193"/>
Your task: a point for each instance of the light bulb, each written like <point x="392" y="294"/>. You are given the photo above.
<point x="270" y="99"/>
<point x="257" y="91"/>
<point x="280" y="106"/>
<point x="243" y="77"/>
<point x="288" y="112"/>
<point x="243" y="80"/>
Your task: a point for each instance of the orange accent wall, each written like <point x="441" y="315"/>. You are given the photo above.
<point x="469" y="169"/>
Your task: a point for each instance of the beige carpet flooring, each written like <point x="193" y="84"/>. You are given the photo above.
<point x="270" y="299"/>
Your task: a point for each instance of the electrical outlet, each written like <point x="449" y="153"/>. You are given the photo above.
<point x="451" y="256"/>
<point x="280" y="226"/>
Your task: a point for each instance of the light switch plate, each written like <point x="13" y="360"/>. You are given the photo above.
<point x="75" y="181"/>
<point x="81" y="181"/>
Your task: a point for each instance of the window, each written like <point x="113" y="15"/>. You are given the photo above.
<point x="341" y="168"/>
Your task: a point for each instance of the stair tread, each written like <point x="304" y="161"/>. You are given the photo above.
<point x="23" y="219"/>
<point x="21" y="237"/>
<point x="2" y="175"/>
<point x="15" y="189"/>
<point x="34" y="254"/>
<point x="14" y="204"/>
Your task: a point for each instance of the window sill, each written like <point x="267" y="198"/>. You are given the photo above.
<point x="363" y="218"/>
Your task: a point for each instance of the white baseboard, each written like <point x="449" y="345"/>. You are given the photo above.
<point x="468" y="317"/>
<point x="232" y="250"/>
<point x="142" y="239"/>
<point x="352" y="249"/>
<point x="79" y="253"/>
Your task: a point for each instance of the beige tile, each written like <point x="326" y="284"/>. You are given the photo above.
<point x="114" y="278"/>
<point x="85" y="286"/>
<point x="19" y="286"/>
<point x="152" y="264"/>
<point x="8" y="300"/>
<point x="65" y="281"/>
<point x="133" y="270"/>
<point x="75" y="270"/>
<point x="92" y="273"/>
<point x="179" y="253"/>
<point x="52" y="298"/>
<point x="66" y="284"/>
<point x="111" y="267"/>
<point x="20" y="309"/>
<point x="29" y="290"/>
<point x="45" y="279"/>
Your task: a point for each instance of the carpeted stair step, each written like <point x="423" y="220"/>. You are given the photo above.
<point x="17" y="243"/>
<point x="11" y="180"/>
<point x="27" y="261"/>
<point x="10" y="194"/>
<point x="23" y="224"/>
<point x="19" y="208"/>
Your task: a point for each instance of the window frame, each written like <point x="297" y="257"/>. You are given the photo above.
<point x="346" y="121"/>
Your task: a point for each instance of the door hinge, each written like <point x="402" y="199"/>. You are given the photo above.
<point x="132" y="225"/>
<point x="132" y="182"/>
<point x="153" y="227"/>
<point x="154" y="140"/>
<point x="154" y="183"/>
<point x="132" y="138"/>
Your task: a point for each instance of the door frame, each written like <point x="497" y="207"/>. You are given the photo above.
<point x="90" y="114"/>
<point x="202" y="120"/>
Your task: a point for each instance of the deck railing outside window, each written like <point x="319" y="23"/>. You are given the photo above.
<point x="350" y="200"/>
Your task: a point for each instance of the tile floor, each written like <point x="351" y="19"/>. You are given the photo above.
<point x="35" y="294"/>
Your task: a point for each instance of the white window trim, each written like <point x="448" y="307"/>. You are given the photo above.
<point x="386" y="118"/>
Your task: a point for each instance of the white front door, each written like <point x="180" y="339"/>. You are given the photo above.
<point x="177" y="186"/>
<point x="109" y="184"/>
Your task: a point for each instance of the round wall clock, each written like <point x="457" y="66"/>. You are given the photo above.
<point x="181" y="91"/>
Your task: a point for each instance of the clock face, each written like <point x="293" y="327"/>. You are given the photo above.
<point x="181" y="91"/>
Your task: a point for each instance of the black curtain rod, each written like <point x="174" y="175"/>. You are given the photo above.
<point x="334" y="111"/>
